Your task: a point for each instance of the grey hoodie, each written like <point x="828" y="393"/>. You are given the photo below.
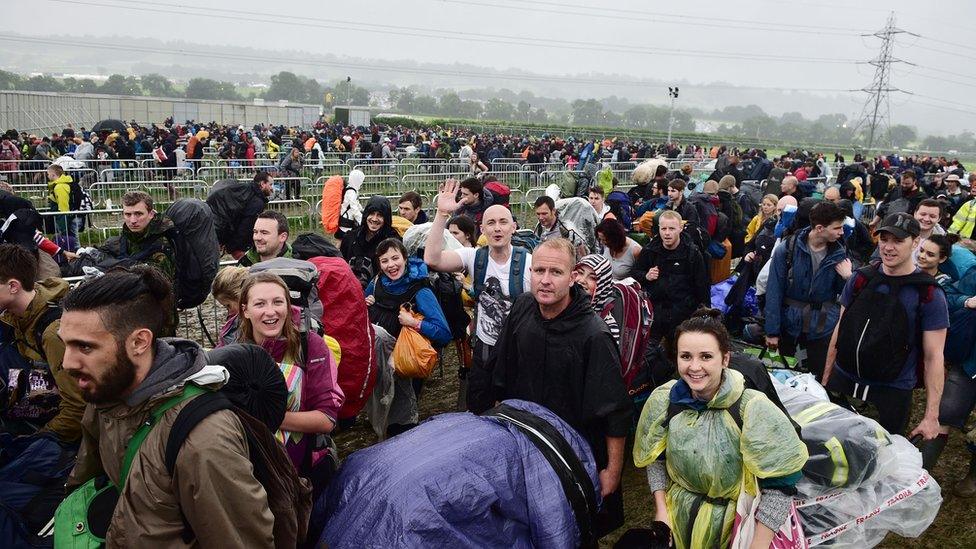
<point x="176" y="359"/>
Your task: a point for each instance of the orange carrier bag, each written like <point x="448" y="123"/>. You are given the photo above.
<point x="413" y="355"/>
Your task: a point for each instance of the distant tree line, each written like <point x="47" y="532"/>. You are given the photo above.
<point x="748" y="121"/>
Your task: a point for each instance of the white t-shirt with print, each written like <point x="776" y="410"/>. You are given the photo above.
<point x="494" y="301"/>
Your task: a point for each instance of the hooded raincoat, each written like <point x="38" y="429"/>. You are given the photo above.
<point x="360" y="243"/>
<point x="569" y="364"/>
<point x="709" y="460"/>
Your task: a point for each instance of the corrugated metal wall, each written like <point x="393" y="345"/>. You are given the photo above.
<point x="46" y="112"/>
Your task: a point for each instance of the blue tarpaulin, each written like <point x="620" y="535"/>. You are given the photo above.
<point x="457" y="480"/>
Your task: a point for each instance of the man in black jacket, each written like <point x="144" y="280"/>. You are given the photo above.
<point x="235" y="207"/>
<point x="673" y="273"/>
<point x="555" y="351"/>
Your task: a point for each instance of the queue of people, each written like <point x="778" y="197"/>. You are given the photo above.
<point x="543" y="331"/>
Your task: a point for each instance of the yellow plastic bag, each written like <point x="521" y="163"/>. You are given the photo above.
<point x="413" y="355"/>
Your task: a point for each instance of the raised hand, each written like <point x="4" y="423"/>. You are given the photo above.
<point x="447" y="196"/>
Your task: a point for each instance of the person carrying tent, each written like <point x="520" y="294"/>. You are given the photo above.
<point x="555" y="351"/>
<point x="706" y="441"/>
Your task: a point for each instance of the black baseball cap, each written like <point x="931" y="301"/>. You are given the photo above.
<point x="902" y="225"/>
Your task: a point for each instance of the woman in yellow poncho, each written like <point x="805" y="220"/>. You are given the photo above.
<point x="767" y="209"/>
<point x="698" y="458"/>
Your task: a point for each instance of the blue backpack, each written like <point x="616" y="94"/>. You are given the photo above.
<point x="621" y="208"/>
<point x="961" y="337"/>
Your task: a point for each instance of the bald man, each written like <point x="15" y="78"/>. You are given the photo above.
<point x="499" y="273"/>
<point x="791" y="187"/>
<point x="832" y="194"/>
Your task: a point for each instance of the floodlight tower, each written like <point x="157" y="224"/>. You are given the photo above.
<point x="673" y="94"/>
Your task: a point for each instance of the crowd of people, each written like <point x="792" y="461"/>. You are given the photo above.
<point x="621" y="311"/>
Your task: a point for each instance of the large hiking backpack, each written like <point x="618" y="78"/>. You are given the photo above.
<point x="447" y="289"/>
<point x="621" y="208"/>
<point x="961" y="337"/>
<point x="194" y="242"/>
<point x="347" y="321"/>
<point x="20" y="226"/>
<point x="707" y="212"/>
<point x="874" y="341"/>
<point x="634" y="313"/>
<point x="500" y="193"/>
<point x="228" y="201"/>
<point x="309" y="245"/>
<point x="333" y="195"/>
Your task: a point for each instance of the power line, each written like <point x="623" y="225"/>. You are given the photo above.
<point x="441" y="34"/>
<point x="562" y="11"/>
<point x="378" y="68"/>
<point x="664" y="15"/>
<point x="947" y="43"/>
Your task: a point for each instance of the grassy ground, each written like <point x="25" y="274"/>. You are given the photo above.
<point x="953" y="528"/>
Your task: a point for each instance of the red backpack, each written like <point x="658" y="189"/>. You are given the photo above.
<point x="500" y="193"/>
<point x="633" y="311"/>
<point x="347" y="320"/>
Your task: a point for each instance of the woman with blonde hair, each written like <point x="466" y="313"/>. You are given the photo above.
<point x="226" y="290"/>
<point x="767" y="209"/>
<point x="268" y="319"/>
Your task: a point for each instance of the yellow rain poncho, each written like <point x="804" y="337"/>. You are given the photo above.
<point x="709" y="459"/>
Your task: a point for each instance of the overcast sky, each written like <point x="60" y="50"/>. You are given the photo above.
<point x="761" y="43"/>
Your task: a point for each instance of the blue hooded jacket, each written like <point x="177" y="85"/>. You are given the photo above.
<point x="434" y="326"/>
<point x="819" y="289"/>
<point x="956" y="296"/>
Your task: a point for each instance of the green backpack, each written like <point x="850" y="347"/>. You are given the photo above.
<point x="83" y="518"/>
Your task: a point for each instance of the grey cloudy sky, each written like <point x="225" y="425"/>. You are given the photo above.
<point x="759" y="43"/>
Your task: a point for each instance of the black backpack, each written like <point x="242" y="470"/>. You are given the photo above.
<point x="874" y="341"/>
<point x="309" y="245"/>
<point x="377" y="151"/>
<point x="194" y="241"/>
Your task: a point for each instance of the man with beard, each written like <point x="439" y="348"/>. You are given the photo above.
<point x="270" y="239"/>
<point x="28" y="310"/>
<point x="126" y="373"/>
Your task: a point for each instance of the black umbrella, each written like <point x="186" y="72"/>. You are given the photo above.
<point x="256" y="384"/>
<point x="109" y="125"/>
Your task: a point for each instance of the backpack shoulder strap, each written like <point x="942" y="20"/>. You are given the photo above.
<point x="575" y="481"/>
<point x="132" y="448"/>
<point x="50" y="314"/>
<point x="480" y="269"/>
<point x="192" y="414"/>
<point x="516" y="272"/>
<point x="790" y="251"/>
